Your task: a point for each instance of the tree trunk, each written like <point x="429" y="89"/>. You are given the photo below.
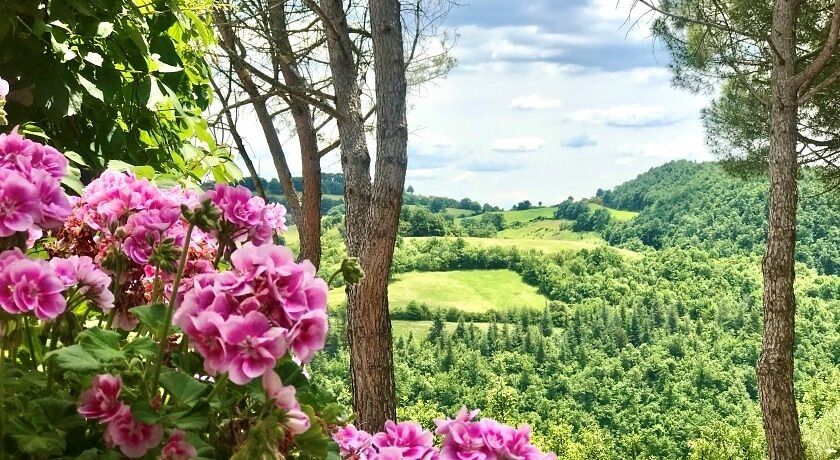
<point x="775" y="363"/>
<point x="372" y="210"/>
<point x="275" y="147"/>
<point x="309" y="227"/>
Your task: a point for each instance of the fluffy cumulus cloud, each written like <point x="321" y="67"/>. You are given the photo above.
<point x="628" y="116"/>
<point x="579" y="141"/>
<point x="534" y="102"/>
<point x="518" y="144"/>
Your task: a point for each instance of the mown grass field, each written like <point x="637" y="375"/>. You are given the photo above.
<point x="523" y="216"/>
<point x="467" y="290"/>
<point x="617" y="214"/>
<point x="551" y="229"/>
<point x="546" y="246"/>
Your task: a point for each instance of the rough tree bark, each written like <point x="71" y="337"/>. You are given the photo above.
<point x="775" y="363"/>
<point x="372" y="209"/>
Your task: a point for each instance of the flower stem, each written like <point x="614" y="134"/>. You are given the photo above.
<point x="167" y="322"/>
<point x="2" y="401"/>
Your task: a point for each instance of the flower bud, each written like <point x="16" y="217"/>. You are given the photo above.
<point x="351" y="270"/>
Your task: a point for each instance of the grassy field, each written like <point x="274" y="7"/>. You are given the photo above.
<point x="458" y="212"/>
<point x="617" y="214"/>
<point x="546" y="246"/>
<point x="468" y="290"/>
<point x="552" y="229"/>
<point x="524" y="216"/>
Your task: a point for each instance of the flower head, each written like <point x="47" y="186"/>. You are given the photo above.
<point x="253" y="346"/>
<point x="20" y="204"/>
<point x="177" y="447"/>
<point x="101" y="402"/>
<point x="31" y="286"/>
<point x="408" y="438"/>
<point x="133" y="437"/>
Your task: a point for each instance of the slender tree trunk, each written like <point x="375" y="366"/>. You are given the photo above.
<point x="372" y="210"/>
<point x="309" y="227"/>
<point x="275" y="147"/>
<point x="775" y="364"/>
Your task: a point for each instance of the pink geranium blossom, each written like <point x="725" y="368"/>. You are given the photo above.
<point x="284" y="397"/>
<point x="82" y="273"/>
<point x="353" y="441"/>
<point x="409" y="439"/>
<point x="177" y="447"/>
<point x="134" y="438"/>
<point x="20" y="204"/>
<point x="31" y="286"/>
<point x="253" y="346"/>
<point x="309" y="335"/>
<point x="101" y="402"/>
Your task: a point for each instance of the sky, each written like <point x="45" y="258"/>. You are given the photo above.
<point x="549" y="98"/>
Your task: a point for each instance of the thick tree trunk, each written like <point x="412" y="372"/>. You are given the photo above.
<point x="775" y="364"/>
<point x="372" y="210"/>
<point x="309" y="227"/>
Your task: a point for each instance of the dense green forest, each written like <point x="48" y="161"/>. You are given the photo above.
<point x="685" y="204"/>
<point x="646" y="354"/>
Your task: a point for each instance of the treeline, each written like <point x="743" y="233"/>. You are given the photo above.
<point x="685" y="204"/>
<point x="417" y="220"/>
<point x="645" y="358"/>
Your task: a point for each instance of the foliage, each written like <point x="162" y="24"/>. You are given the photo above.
<point x="115" y="81"/>
<point x="684" y="204"/>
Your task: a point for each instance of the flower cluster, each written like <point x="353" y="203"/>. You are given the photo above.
<point x="248" y="217"/>
<point x="244" y="319"/>
<point x="86" y="278"/>
<point x="463" y="439"/>
<point x="28" y="285"/>
<point x="31" y="198"/>
<point x="134" y="438"/>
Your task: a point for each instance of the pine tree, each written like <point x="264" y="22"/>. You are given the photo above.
<point x="436" y="331"/>
<point x="546" y="325"/>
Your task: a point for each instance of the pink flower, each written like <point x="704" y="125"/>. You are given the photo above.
<point x="134" y="438"/>
<point x="352" y="441"/>
<point x="101" y="402"/>
<point x="463" y="416"/>
<point x="55" y="207"/>
<point x="284" y="397"/>
<point x="81" y="273"/>
<point x="4" y="88"/>
<point x="309" y="335"/>
<point x="253" y="346"/>
<point x="20" y="205"/>
<point x="409" y="438"/>
<point x="206" y="337"/>
<point x="237" y="205"/>
<point x="29" y="285"/>
<point x="177" y="447"/>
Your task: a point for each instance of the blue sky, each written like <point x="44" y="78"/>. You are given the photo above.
<point x="550" y="98"/>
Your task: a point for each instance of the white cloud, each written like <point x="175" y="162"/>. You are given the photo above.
<point x="464" y="176"/>
<point x="635" y="115"/>
<point x="533" y="102"/>
<point x="518" y="144"/>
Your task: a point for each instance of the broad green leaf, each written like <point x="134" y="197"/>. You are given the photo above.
<point x="94" y="58"/>
<point x="74" y="358"/>
<point x="75" y="157"/>
<point x="91" y="88"/>
<point x="192" y="418"/>
<point x="118" y="165"/>
<point x="101" y="343"/>
<point x="41" y="444"/>
<point x="151" y="316"/>
<point x="184" y="388"/>
<point x="104" y="29"/>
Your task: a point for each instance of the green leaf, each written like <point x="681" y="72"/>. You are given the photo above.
<point x="75" y="157"/>
<point x="141" y="346"/>
<point x="41" y="444"/>
<point x="118" y="165"/>
<point x="104" y="29"/>
<point x="103" y="344"/>
<point x="74" y="358"/>
<point x="142" y="411"/>
<point x="184" y="388"/>
<point x="94" y="58"/>
<point x="91" y="88"/>
<point x="151" y="316"/>
<point x="193" y="418"/>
